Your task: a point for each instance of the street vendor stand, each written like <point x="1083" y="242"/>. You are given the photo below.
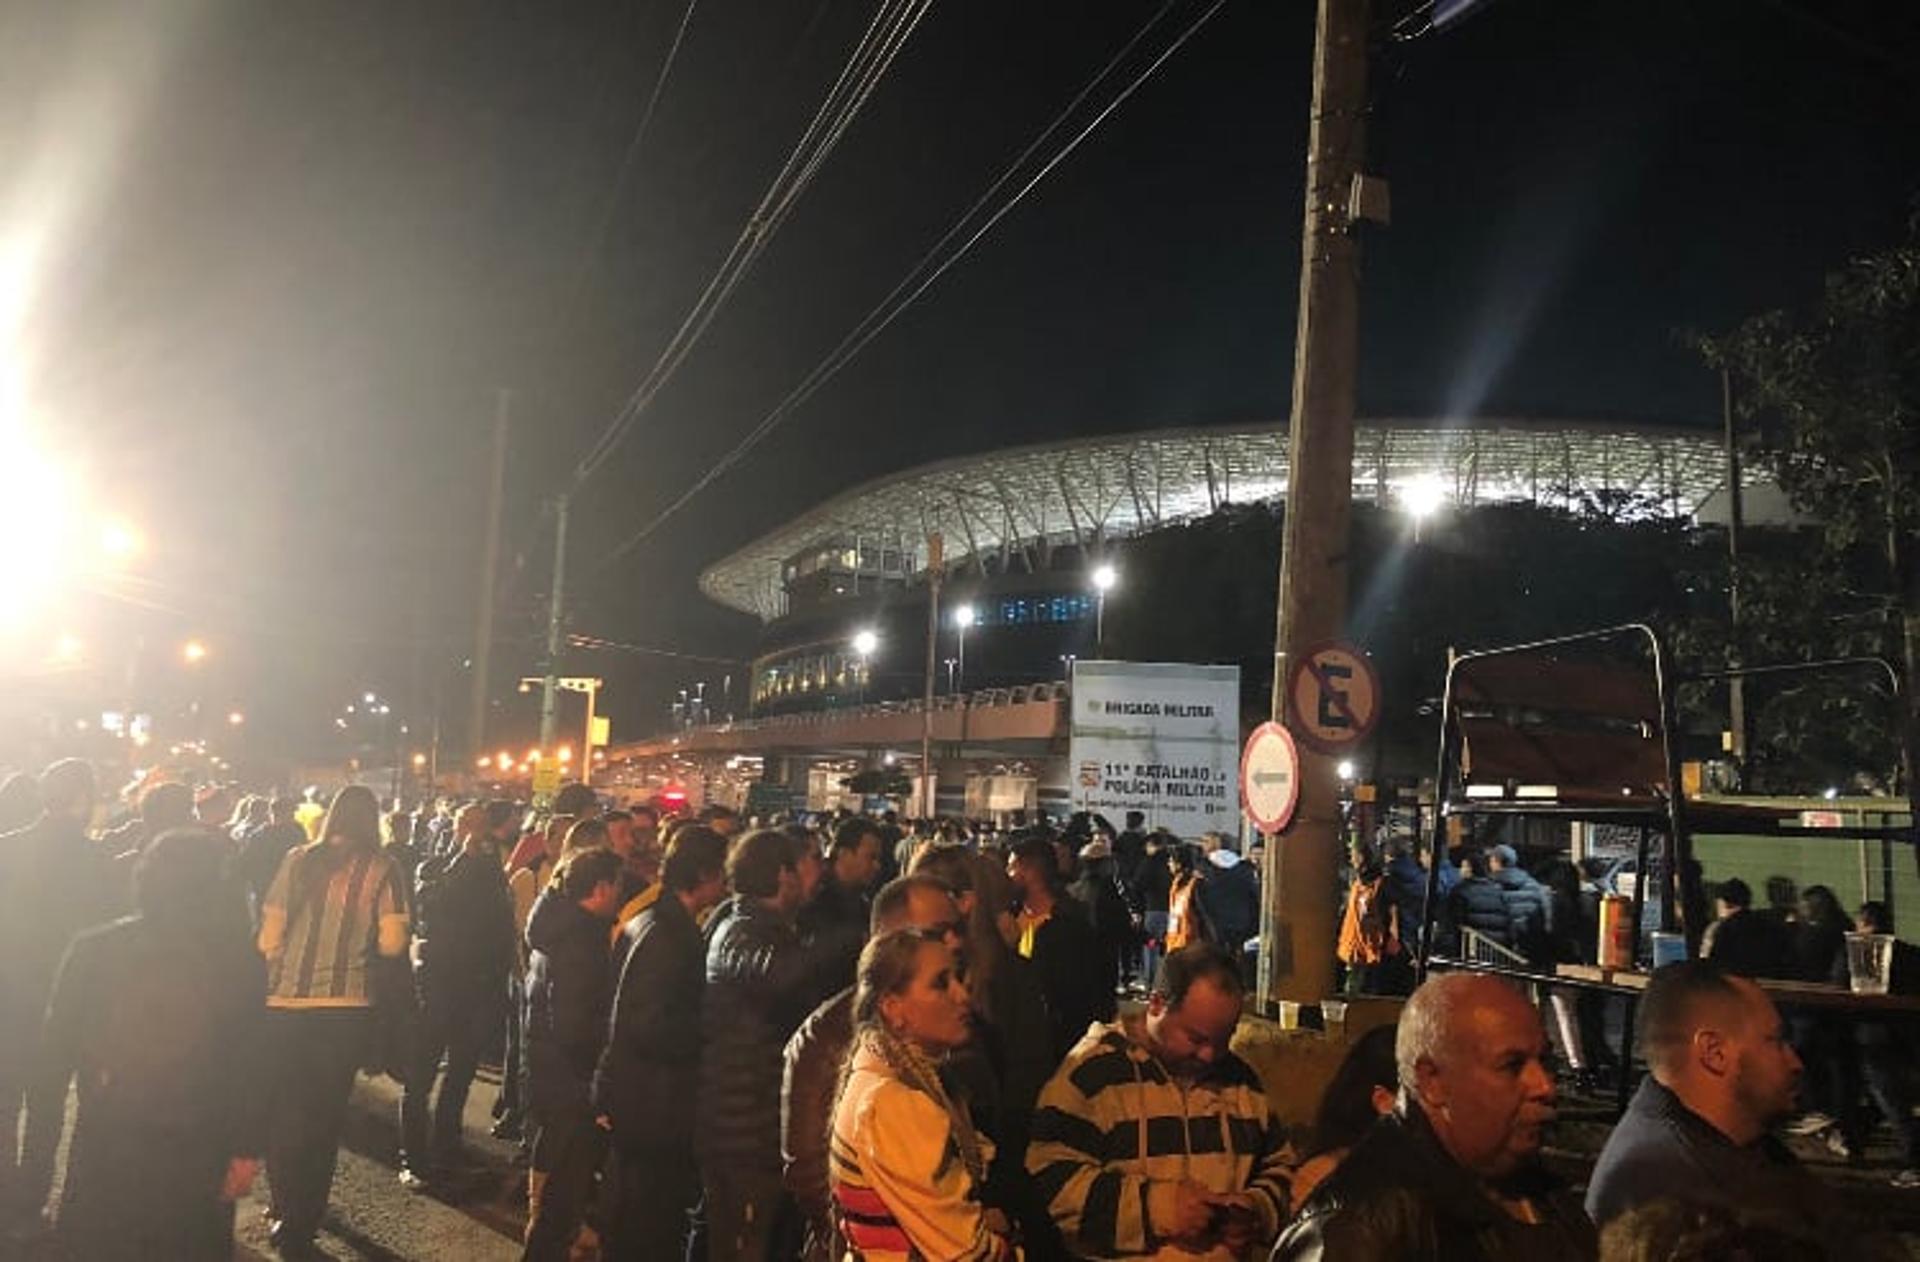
<point x="1581" y="729"/>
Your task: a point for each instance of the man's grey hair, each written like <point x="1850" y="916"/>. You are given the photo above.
<point x="1428" y="1027"/>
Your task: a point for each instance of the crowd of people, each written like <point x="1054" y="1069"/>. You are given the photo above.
<point x="825" y="1039"/>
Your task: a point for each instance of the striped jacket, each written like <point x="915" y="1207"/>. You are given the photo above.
<point x="1116" y="1133"/>
<point x="900" y="1190"/>
<point x="319" y="929"/>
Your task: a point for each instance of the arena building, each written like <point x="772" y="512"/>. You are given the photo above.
<point x="842" y="589"/>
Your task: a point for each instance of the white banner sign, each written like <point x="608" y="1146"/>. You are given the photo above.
<point x="1159" y="738"/>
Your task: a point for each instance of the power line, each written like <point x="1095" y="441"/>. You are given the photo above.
<point x="595" y="642"/>
<point x="887" y="32"/>
<point x="926" y="272"/>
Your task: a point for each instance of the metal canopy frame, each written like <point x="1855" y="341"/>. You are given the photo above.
<point x="1670" y="818"/>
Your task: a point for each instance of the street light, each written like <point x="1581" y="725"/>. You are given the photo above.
<point x="963" y="618"/>
<point x="235" y="718"/>
<point x="193" y="652"/>
<point x="866" y="642"/>
<point x="1104" y="578"/>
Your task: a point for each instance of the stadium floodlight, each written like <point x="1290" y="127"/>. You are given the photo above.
<point x="1423" y="497"/>
<point x="1104" y="579"/>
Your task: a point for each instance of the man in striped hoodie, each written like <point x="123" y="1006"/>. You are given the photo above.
<point x="1153" y="1140"/>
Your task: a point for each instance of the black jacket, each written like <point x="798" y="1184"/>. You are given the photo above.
<point x="1660" y="1148"/>
<point x="1752" y="944"/>
<point x="567" y="998"/>
<point x="260" y="855"/>
<point x="54" y="882"/>
<point x="1230" y="898"/>
<point x="1153" y="881"/>
<point x="814" y="1056"/>
<point x="1065" y="958"/>
<point x="837" y="920"/>
<point x="1399" y="1195"/>
<point x="650" y="1069"/>
<point x="464" y="922"/>
<point x="163" y="1027"/>
<point x="762" y="980"/>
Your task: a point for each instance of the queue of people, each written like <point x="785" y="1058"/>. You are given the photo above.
<point x="851" y="1042"/>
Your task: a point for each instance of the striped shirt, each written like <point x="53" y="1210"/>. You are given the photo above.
<point x="1116" y="1133"/>
<point x="900" y="1189"/>
<point x="319" y="937"/>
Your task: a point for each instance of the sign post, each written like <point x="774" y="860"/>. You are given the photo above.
<point x="1270" y="778"/>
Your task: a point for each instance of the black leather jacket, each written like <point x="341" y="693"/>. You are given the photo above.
<point x="762" y="981"/>
<point x="1399" y="1195"/>
<point x="813" y="1059"/>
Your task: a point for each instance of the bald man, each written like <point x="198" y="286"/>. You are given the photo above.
<point x="1722" y="1075"/>
<point x="1453" y="1172"/>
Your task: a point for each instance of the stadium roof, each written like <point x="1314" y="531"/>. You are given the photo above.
<point x="1088" y="491"/>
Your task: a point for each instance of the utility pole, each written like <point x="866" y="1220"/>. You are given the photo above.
<point x="936" y="561"/>
<point x="1297" y="933"/>
<point x="549" y="684"/>
<point x="489" y="571"/>
<point x="1736" y="687"/>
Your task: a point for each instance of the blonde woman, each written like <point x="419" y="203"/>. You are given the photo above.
<point x="907" y="1163"/>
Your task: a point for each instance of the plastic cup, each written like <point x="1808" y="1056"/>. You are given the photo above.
<point x="1289" y="1015"/>
<point x="1669" y="948"/>
<point x="1869" y="962"/>
<point x="1334" y="1012"/>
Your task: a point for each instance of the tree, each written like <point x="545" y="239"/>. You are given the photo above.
<point x="1835" y="398"/>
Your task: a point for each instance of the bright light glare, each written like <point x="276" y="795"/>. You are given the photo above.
<point x="66" y="648"/>
<point x="1104" y="577"/>
<point x="866" y="643"/>
<point x="1345" y="769"/>
<point x="964" y="616"/>
<point x="36" y="519"/>
<point x="236" y="718"/>
<point x="419" y="760"/>
<point x="119" y="541"/>
<point x="194" y="652"/>
<point x="1423" y="497"/>
<point x="566" y="754"/>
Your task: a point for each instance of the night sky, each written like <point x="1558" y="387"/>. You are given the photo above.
<point x="289" y="252"/>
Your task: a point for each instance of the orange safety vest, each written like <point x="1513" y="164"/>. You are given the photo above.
<point x="1365" y="936"/>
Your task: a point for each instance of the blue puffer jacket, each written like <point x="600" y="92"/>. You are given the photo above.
<point x="1529" y="908"/>
<point x="1480" y="905"/>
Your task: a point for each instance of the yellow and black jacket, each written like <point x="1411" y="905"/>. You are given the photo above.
<point x="1116" y="1134"/>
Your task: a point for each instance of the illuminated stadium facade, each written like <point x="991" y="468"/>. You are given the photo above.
<point x="1021" y="525"/>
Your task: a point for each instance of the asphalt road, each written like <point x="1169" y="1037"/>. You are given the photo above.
<point x="475" y="1218"/>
